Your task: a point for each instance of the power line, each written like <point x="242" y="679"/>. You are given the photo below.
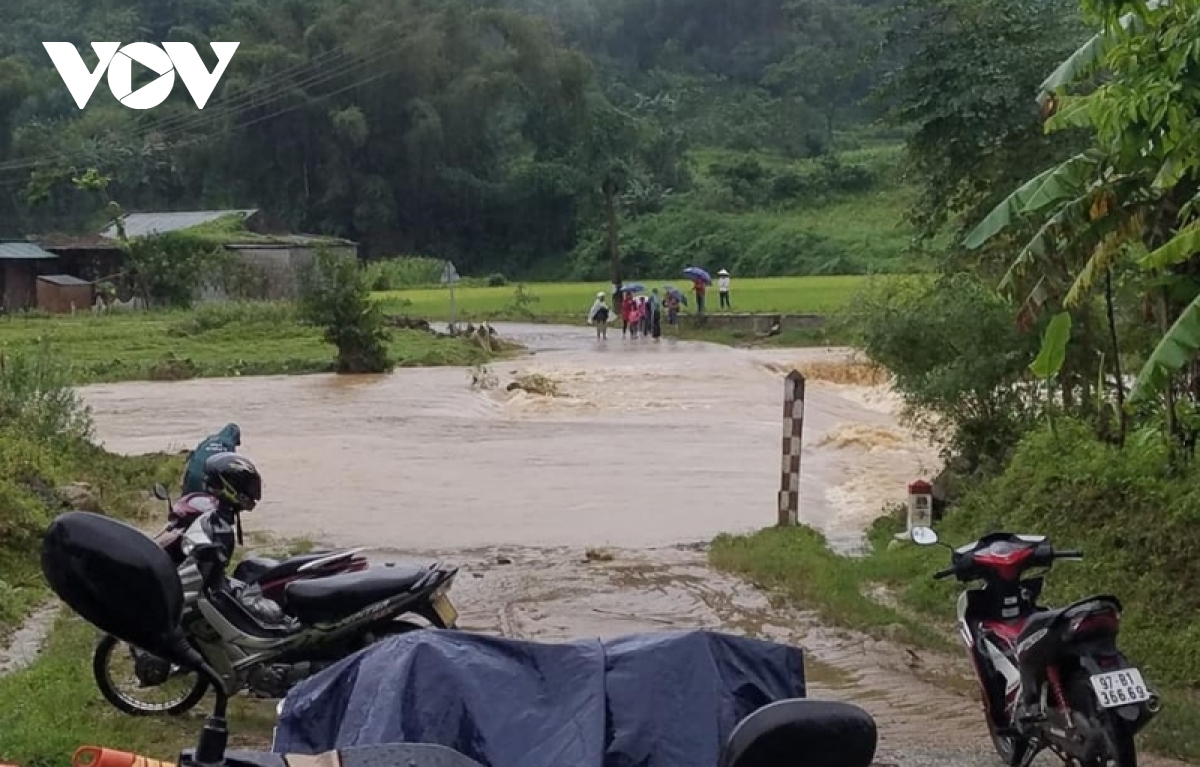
<point x="186" y="124"/>
<point x="307" y="101"/>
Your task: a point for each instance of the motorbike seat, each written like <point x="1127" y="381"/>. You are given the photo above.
<point x="321" y="600"/>
<point x="254" y="569"/>
<point x="1038" y="621"/>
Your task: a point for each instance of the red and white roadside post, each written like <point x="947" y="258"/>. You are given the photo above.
<point x="920" y="507"/>
<point x="793" y="428"/>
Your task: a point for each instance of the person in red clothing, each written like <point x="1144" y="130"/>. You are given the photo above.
<point x="699" y="287"/>
<point x="626" y="312"/>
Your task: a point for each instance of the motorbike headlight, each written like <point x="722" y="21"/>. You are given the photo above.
<point x="187" y="546"/>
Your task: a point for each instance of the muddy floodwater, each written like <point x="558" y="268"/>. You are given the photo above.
<point x="651" y="444"/>
<point x="651" y="450"/>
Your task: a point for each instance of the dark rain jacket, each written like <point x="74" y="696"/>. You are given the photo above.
<point x="226" y="440"/>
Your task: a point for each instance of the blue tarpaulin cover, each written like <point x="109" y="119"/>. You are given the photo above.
<point x="647" y="700"/>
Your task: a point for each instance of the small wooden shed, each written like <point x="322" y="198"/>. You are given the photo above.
<point x="60" y="293"/>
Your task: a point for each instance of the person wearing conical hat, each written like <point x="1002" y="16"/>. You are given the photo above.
<point x="599" y="315"/>
<point x="723" y="288"/>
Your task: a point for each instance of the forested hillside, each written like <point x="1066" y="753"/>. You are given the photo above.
<point x="487" y="132"/>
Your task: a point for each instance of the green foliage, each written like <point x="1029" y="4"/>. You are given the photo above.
<point x="336" y="297"/>
<point x="44" y="428"/>
<point x="1053" y="353"/>
<point x="36" y="397"/>
<point x="170" y="269"/>
<point x="404" y="272"/>
<point x="966" y="77"/>
<point x="217" y="315"/>
<point x="523" y="303"/>
<point x="958" y="361"/>
<point x="762" y="215"/>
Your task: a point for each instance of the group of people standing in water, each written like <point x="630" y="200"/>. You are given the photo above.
<point x="641" y="316"/>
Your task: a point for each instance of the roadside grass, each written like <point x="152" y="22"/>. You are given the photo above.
<point x="30" y="472"/>
<point x="253" y="338"/>
<point x="53" y="707"/>
<point x="778" y="295"/>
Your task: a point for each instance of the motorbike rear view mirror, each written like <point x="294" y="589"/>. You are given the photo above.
<point x="803" y="733"/>
<point x="924" y="536"/>
<point x="160" y="492"/>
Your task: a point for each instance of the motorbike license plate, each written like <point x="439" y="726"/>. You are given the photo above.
<point x="446" y="611"/>
<point x="1120" y="688"/>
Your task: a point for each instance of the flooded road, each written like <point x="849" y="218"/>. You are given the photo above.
<point x="652" y="449"/>
<point x="652" y="444"/>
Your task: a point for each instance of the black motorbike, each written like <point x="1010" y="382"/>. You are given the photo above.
<point x="1051" y="678"/>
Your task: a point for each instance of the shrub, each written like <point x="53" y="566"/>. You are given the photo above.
<point x="404" y="272"/>
<point x="335" y="296"/>
<point x="959" y="362"/>
<point x="213" y="316"/>
<point x="170" y="269"/>
<point x="496" y="280"/>
<point x="36" y="397"/>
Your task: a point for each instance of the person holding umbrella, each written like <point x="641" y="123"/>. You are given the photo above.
<point x="700" y="282"/>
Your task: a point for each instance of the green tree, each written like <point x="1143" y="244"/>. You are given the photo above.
<point x="335" y="296"/>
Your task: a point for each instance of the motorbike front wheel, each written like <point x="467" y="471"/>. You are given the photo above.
<point x="127" y="677"/>
<point x="1011" y="749"/>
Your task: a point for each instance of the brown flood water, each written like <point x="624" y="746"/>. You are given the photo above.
<point x="655" y="444"/>
<point x="654" y="448"/>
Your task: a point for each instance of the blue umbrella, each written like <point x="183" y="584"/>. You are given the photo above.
<point x="697" y="272"/>
<point x="633" y="287"/>
<point x="674" y="291"/>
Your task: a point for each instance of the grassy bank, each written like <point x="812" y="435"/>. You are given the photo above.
<point x="48" y="465"/>
<point x="1129" y="511"/>
<point x="213" y="340"/>
<point x="785" y="295"/>
<point x="52" y="708"/>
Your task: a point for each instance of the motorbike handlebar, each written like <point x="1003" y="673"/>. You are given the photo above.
<point x="1069" y="554"/>
<point x="940" y="574"/>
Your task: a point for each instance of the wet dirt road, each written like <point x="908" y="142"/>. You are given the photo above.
<point x="655" y="447"/>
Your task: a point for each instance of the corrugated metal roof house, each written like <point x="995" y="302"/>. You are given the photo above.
<point x="142" y="224"/>
<point x="20" y="263"/>
<point x="275" y="254"/>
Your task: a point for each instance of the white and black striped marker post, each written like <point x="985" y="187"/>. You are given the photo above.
<point x="793" y="428"/>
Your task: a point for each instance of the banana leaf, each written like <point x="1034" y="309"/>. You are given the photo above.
<point x="1176" y="349"/>
<point x="1053" y="353"/>
<point x="1088" y="57"/>
<point x="1061" y="182"/>
<point x="1178" y="249"/>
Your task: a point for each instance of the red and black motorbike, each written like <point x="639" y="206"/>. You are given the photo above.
<point x="271" y="576"/>
<point x="1050" y="678"/>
